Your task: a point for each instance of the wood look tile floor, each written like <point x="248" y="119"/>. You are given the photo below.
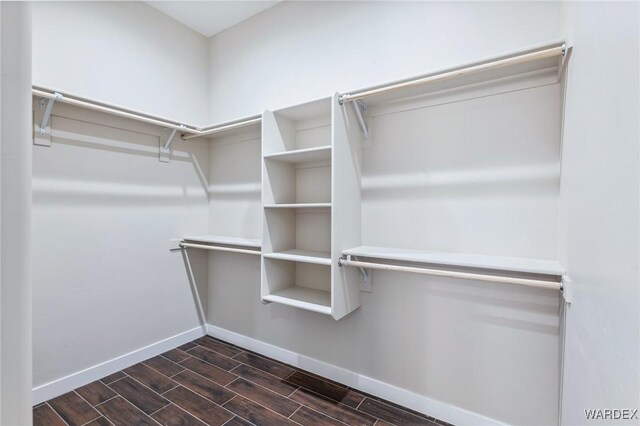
<point x="211" y="382"/>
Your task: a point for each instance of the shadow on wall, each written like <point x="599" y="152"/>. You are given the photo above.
<point x="541" y="179"/>
<point x="93" y="164"/>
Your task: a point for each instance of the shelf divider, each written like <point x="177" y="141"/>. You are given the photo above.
<point x="307" y="155"/>
<point x="302" y="297"/>
<point x="298" y="206"/>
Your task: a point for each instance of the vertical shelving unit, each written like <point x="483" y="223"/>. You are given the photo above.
<point x="299" y="194"/>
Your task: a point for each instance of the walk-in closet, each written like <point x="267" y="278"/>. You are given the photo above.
<point x="319" y="213"/>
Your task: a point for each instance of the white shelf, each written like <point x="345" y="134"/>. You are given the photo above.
<point x="308" y="155"/>
<point x="303" y="298"/>
<point x="500" y="263"/>
<point x="298" y="206"/>
<point x="229" y="241"/>
<point x="306" y="256"/>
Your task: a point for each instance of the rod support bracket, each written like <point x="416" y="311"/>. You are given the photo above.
<point x="360" y="108"/>
<point x="165" y="149"/>
<point x="365" y="284"/>
<point x="41" y="120"/>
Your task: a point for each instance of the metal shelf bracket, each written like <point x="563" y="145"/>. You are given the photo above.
<point x="165" y="150"/>
<point x="365" y="285"/>
<point x="360" y="108"/>
<point x="42" y="131"/>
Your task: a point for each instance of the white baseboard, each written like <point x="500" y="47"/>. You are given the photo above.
<point x="65" y="384"/>
<point x="440" y="410"/>
<point x="420" y="403"/>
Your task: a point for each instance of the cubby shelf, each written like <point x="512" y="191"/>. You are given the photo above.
<point x="499" y="263"/>
<point x="302" y="297"/>
<point x="298" y="206"/>
<point x="305" y="256"/>
<point x="307" y="155"/>
<point x="309" y="176"/>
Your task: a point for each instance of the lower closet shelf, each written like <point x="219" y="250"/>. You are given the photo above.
<point x="304" y="298"/>
<point x="221" y="239"/>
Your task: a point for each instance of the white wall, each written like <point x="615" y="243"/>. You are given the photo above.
<point x="104" y="207"/>
<point x="489" y="349"/>
<point x="599" y="209"/>
<point x="298" y="51"/>
<point x="126" y="53"/>
<point x="15" y="215"/>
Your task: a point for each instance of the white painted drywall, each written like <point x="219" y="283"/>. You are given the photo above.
<point x="600" y="209"/>
<point x="15" y="214"/>
<point x="104" y="210"/>
<point x="489" y="349"/>
<point x="234" y="186"/>
<point x="211" y="17"/>
<point x="298" y="51"/>
<point x="126" y="53"/>
<point x="105" y="283"/>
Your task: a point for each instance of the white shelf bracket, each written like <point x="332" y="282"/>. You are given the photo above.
<point x="165" y="150"/>
<point x="42" y="131"/>
<point x="365" y="285"/>
<point x="360" y="108"/>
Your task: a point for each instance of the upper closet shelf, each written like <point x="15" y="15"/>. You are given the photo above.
<point x="499" y="263"/>
<point x="307" y="155"/>
<point x="173" y="129"/>
<point x="548" y="58"/>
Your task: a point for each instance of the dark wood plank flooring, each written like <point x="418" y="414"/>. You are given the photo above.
<point x="211" y="382"/>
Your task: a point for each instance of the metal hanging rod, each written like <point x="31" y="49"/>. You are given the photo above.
<point x="553" y="285"/>
<point x="548" y="52"/>
<point x="113" y="110"/>
<point x="219" y="248"/>
<point x="222" y="128"/>
<point x="186" y="131"/>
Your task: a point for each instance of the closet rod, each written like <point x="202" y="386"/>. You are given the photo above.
<point x="553" y="285"/>
<point x="548" y="52"/>
<point x="222" y="128"/>
<point x="218" y="248"/>
<point x="113" y="110"/>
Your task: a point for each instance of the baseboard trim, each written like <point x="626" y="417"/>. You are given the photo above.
<point x="431" y="407"/>
<point x="65" y="384"/>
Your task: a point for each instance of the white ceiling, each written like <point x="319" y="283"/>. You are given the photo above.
<point x="210" y="17"/>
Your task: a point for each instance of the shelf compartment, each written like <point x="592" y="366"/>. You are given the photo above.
<point x="308" y="155"/>
<point x="296" y="183"/>
<point x="224" y="240"/>
<point x="297" y="128"/>
<point x="297" y="231"/>
<point x="484" y="262"/>
<point x="305" y="256"/>
<point x="301" y="285"/>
